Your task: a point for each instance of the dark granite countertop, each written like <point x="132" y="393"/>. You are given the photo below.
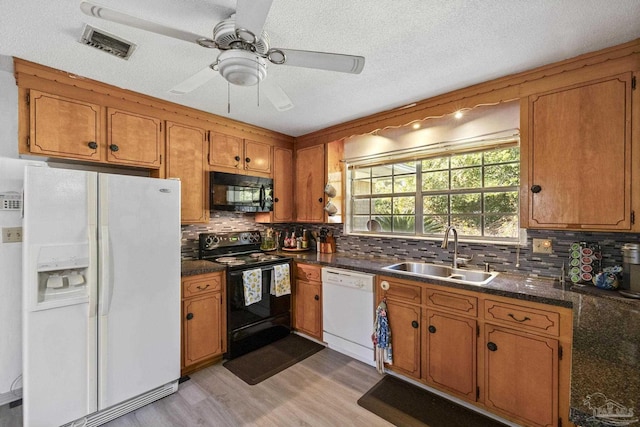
<point x="606" y="329"/>
<point x="199" y="266"/>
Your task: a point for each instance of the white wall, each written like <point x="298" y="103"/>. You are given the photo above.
<point x="8" y="109"/>
<point x="481" y="120"/>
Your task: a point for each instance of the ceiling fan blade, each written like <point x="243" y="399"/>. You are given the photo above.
<point x="251" y="15"/>
<point x="194" y="82"/>
<point x="92" y="9"/>
<point x="276" y="95"/>
<point x="321" y="60"/>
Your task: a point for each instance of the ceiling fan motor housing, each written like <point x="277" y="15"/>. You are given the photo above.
<point x="241" y="67"/>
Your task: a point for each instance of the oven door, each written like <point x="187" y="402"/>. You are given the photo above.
<point x="252" y="326"/>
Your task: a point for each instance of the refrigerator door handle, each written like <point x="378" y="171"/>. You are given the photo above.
<point x="106" y="286"/>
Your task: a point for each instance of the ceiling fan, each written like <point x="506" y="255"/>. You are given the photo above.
<point x="244" y="49"/>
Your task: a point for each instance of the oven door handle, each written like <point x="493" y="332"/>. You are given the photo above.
<point x="264" y="269"/>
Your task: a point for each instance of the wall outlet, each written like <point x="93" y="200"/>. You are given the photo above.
<point x="11" y="234"/>
<point x="542" y="246"/>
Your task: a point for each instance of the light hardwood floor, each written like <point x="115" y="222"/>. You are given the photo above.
<point x="321" y="390"/>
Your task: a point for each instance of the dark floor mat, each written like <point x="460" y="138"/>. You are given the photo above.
<point x="405" y="404"/>
<point x="267" y="361"/>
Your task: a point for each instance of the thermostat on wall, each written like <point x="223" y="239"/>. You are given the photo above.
<point x="10" y="201"/>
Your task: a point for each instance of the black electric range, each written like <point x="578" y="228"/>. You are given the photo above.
<point x="249" y="326"/>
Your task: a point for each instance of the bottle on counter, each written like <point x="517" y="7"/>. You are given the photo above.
<point x="305" y="240"/>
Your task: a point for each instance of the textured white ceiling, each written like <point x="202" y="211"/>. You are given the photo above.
<point x="414" y="49"/>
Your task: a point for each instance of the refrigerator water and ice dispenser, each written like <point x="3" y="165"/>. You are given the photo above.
<point x="62" y="272"/>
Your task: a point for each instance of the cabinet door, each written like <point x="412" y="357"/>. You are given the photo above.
<point x="186" y="161"/>
<point x="404" y="322"/>
<point x="308" y="308"/>
<point x="579" y="156"/>
<point x="521" y="374"/>
<point x="450" y="357"/>
<point x="226" y="152"/>
<point x="309" y="184"/>
<point x="133" y="139"/>
<point x="65" y="127"/>
<point x="282" y="185"/>
<point x="202" y="327"/>
<point x="257" y="158"/>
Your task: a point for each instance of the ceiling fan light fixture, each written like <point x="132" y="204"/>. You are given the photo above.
<point x="241" y="68"/>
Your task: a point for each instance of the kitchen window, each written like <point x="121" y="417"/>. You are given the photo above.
<point x="476" y="191"/>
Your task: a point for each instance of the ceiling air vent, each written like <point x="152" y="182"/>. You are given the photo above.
<point x="107" y="42"/>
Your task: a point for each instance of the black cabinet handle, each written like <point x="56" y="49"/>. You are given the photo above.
<point x="536" y="188"/>
<point x="202" y="288"/>
<point x="518" y="320"/>
<point x="276" y="200"/>
<point x="320" y="199"/>
<point x="247" y="160"/>
<point x="492" y="346"/>
<point x="237" y="158"/>
<point x="432" y="329"/>
<point x="93" y="145"/>
<point x="114" y="147"/>
<point x="189" y="316"/>
<point x="415" y="324"/>
<point x="317" y="297"/>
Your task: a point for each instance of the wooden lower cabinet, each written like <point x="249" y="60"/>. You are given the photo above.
<point x="308" y="300"/>
<point x="521" y="375"/>
<point x="404" y="322"/>
<point x="203" y="321"/>
<point x="450" y="352"/>
<point x="511" y="357"/>
<point x="308" y="308"/>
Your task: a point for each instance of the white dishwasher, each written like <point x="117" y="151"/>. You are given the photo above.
<point x="348" y="312"/>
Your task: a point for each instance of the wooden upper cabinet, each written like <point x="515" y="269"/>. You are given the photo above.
<point x="257" y="157"/>
<point x="233" y="154"/>
<point x="186" y="160"/>
<point x="226" y="152"/>
<point x="576" y="156"/>
<point x="309" y="184"/>
<point x="134" y="139"/>
<point x="65" y="127"/>
<point x="282" y="184"/>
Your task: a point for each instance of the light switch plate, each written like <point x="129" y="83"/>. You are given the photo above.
<point x="542" y="246"/>
<point x="11" y="234"/>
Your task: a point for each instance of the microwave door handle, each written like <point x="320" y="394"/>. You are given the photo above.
<point x="262" y="197"/>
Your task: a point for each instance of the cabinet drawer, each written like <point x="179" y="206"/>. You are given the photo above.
<point x="522" y="317"/>
<point x="465" y="304"/>
<point x="201" y="284"/>
<point x="401" y="291"/>
<point x="308" y="272"/>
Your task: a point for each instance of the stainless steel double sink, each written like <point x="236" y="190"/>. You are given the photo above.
<point x="442" y="272"/>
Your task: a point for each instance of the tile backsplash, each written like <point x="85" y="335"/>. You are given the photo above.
<point x="504" y="258"/>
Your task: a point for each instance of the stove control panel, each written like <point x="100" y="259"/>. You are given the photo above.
<point x="239" y="238"/>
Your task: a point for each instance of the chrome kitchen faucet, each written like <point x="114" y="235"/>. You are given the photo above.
<point x="445" y="245"/>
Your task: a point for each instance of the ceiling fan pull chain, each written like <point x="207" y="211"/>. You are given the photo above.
<point x="258" y="85"/>
<point x="228" y="98"/>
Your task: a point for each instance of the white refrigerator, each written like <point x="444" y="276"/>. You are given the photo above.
<point x="101" y="294"/>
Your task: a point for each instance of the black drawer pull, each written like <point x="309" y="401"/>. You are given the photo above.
<point x="202" y="288"/>
<point x="432" y="329"/>
<point x="492" y="346"/>
<point x="189" y="316"/>
<point x="415" y="324"/>
<point x="518" y="320"/>
<point x="114" y="147"/>
<point x="536" y="188"/>
<point x="93" y="145"/>
<point x="247" y="160"/>
<point x="317" y="297"/>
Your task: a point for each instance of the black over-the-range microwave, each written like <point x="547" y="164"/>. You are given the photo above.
<point x="243" y="193"/>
